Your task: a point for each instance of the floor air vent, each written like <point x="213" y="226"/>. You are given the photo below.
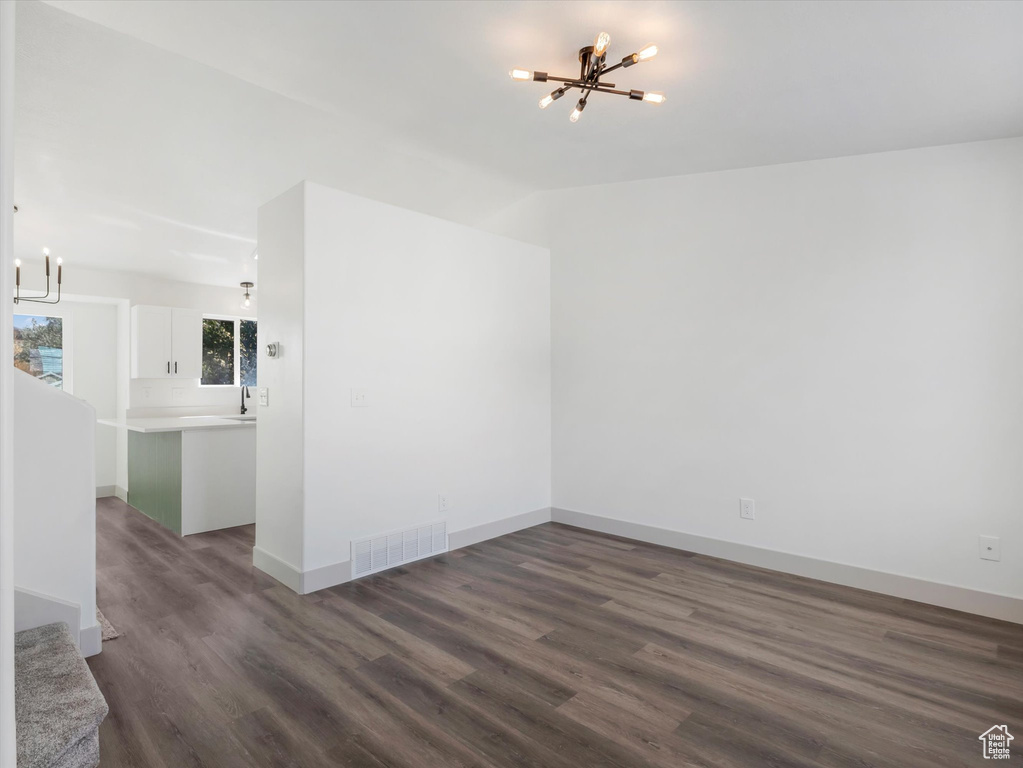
<point x="387" y="550"/>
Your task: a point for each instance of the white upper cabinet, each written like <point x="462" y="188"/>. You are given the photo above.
<point x="166" y="343"/>
<point x="186" y="344"/>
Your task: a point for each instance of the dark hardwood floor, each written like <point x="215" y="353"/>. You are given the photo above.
<point x="550" y="648"/>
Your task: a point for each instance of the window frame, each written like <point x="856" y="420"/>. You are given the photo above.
<point x="237" y="320"/>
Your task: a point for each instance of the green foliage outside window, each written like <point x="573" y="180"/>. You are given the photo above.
<point x="247" y="350"/>
<point x="217" y="351"/>
<point x="39" y="347"/>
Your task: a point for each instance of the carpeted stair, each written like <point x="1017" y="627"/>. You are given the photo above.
<point x="57" y="703"/>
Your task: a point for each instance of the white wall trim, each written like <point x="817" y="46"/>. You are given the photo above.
<point x="341" y="572"/>
<point x="326" y="576"/>
<point x="285" y="573"/>
<point x="121" y="493"/>
<point x="988" y="604"/>
<point x="90" y="640"/>
<point x="104" y="491"/>
<point x="469" y="536"/>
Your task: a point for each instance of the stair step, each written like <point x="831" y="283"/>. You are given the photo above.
<point x="58" y="705"/>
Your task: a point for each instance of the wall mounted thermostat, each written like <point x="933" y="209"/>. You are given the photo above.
<point x="273" y="349"/>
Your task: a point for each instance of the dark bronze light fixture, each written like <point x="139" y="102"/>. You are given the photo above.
<point x="592" y="67"/>
<point x="247" y="300"/>
<point x="44" y="299"/>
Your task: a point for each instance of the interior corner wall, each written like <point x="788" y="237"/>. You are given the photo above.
<point x="8" y="740"/>
<point x="446" y="329"/>
<point x="840" y="340"/>
<point x="280" y="438"/>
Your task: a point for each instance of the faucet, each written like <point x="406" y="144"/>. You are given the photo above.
<point x="245" y="393"/>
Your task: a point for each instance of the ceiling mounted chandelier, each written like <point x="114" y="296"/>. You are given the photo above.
<point x="592" y="67"/>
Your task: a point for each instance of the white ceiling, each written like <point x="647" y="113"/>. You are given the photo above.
<point x="149" y="133"/>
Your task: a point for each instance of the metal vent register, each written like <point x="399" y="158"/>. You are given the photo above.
<point x="386" y="550"/>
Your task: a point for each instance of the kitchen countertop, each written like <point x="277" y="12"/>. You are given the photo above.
<point x="178" y="423"/>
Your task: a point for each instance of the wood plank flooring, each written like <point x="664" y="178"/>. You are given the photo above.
<point x="553" y="647"/>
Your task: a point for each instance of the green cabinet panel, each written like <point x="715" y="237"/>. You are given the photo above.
<point x="154" y="476"/>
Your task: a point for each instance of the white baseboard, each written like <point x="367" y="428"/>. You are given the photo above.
<point x="121" y="493"/>
<point x="90" y="640"/>
<point x="103" y="491"/>
<point x="286" y="573"/>
<point x="328" y="576"/>
<point x="469" y="536"/>
<point x="340" y="572"/>
<point x="989" y="604"/>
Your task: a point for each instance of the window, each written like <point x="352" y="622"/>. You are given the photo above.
<point x="39" y="347"/>
<point x="228" y="352"/>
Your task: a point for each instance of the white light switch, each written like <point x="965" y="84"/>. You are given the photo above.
<point x="264" y="396"/>
<point x="358" y="398"/>
<point x="990" y="548"/>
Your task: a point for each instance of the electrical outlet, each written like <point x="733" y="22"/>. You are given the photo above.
<point x="442" y="503"/>
<point x="358" y="398"/>
<point x="264" y="396"/>
<point x="747" y="509"/>
<point x="990" y="548"/>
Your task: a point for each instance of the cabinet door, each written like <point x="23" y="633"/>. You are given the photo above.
<point x="186" y="362"/>
<point x="151" y="342"/>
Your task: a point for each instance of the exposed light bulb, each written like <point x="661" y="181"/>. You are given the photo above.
<point x="247" y="303"/>
<point x="59" y="261"/>
<point x="46" y="251"/>
<point x="654" y="97"/>
<point x="647" y="53"/>
<point x="17" y="262"/>
<point x="550" y="98"/>
<point x="601" y="43"/>
<point x="574" y="117"/>
<point x="520" y="74"/>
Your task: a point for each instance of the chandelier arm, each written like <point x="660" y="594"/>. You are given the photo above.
<point x="612" y="68"/>
<point x="601" y="89"/>
<point x="576" y="83"/>
<point x="41" y="299"/>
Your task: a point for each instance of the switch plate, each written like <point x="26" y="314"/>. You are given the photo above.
<point x="443" y="503"/>
<point x="747" y="509"/>
<point x="358" y="398"/>
<point x="990" y="548"/>
<point x="264" y="396"/>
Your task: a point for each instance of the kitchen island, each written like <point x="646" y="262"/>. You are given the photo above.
<point x="192" y="473"/>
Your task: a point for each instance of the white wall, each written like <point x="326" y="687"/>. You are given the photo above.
<point x="8" y="741"/>
<point x="446" y="329"/>
<point x="54" y="496"/>
<point x="280" y="441"/>
<point x="839" y="340"/>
